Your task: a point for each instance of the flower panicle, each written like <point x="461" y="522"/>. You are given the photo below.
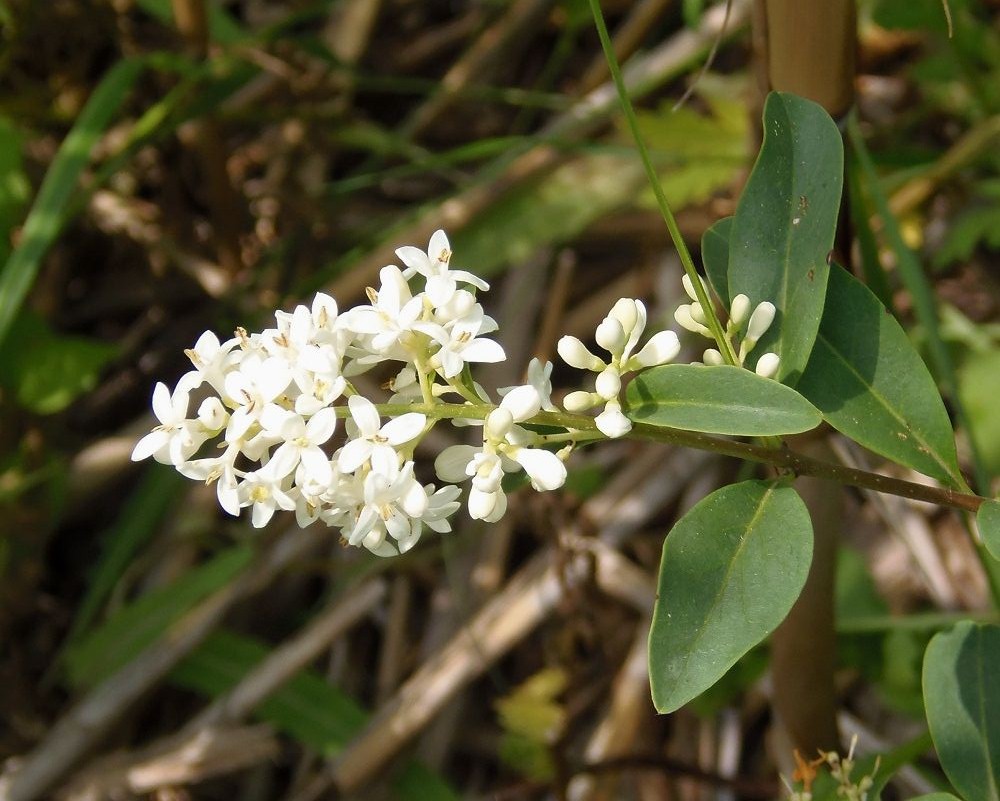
<point x="279" y="424"/>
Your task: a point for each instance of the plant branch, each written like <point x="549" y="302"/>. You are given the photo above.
<point x="781" y="457"/>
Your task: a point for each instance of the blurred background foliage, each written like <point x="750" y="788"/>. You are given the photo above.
<point x="162" y="175"/>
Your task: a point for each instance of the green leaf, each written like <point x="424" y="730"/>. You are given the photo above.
<point x="979" y="388"/>
<point x="42" y="225"/>
<point x="718" y="400"/>
<point x="47" y="371"/>
<point x="136" y="626"/>
<point x="731" y="569"/>
<point x="785" y="223"/>
<point x="936" y="797"/>
<point x="962" y="698"/>
<point x="988" y="521"/>
<point x="715" y="257"/>
<point x="870" y="383"/>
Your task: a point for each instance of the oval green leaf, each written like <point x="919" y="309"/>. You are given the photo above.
<point x="988" y="520"/>
<point x="870" y="383"/>
<point x="718" y="400"/>
<point x="731" y="569"/>
<point x="962" y="699"/>
<point x="785" y="223"/>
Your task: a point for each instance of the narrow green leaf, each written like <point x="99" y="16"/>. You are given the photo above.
<point x="988" y="520"/>
<point x="785" y="224"/>
<point x="715" y="257"/>
<point x="870" y="383"/>
<point x="42" y="225"/>
<point x="307" y="707"/>
<point x="718" y="400"/>
<point x="936" y="797"/>
<point x="962" y="698"/>
<point x="731" y="569"/>
<point x="136" y="626"/>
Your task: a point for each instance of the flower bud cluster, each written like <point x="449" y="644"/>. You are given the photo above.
<point x="743" y="330"/>
<point x="618" y="334"/>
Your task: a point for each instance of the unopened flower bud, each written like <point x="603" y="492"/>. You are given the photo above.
<point x="685" y="320"/>
<point x="662" y="348"/>
<point x="698" y="313"/>
<point x="575" y="354"/>
<point x="609" y="383"/>
<point x="760" y="321"/>
<point x="212" y="414"/>
<point x="580" y="401"/>
<point x="739" y="309"/>
<point x="689" y="286"/>
<point x="522" y="402"/>
<point x="712" y="357"/>
<point x="611" y="335"/>
<point x="612" y="423"/>
<point x="499" y="422"/>
<point x="626" y="312"/>
<point x="767" y="365"/>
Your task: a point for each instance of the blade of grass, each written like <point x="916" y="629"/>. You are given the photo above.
<point x="712" y="319"/>
<point x="44" y="219"/>
<point x="921" y="293"/>
<point x="146" y="507"/>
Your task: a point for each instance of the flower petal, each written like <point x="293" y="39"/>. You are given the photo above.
<point x="404" y="428"/>
<point x="546" y="470"/>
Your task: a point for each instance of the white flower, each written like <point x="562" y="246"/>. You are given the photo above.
<point x="252" y="388"/>
<point x="211" y="361"/>
<point x="392" y="313"/>
<point x="265" y="495"/>
<point x="434" y="266"/>
<point x="462" y="344"/>
<point x="375" y="442"/>
<point x="176" y="438"/>
<point x="301" y="442"/>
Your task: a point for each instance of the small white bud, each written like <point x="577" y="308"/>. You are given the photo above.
<point x="212" y="414"/>
<point x="626" y="312"/>
<point x="482" y="504"/>
<point x="609" y="383"/>
<point x="712" y="357"/>
<point x="739" y="309"/>
<point x="689" y="286"/>
<point x="499" y="422"/>
<point x="698" y="313"/>
<point x="767" y="365"/>
<point x="580" y="401"/>
<point x="522" y="402"/>
<point x="612" y="423"/>
<point x="611" y="335"/>
<point x="685" y="320"/>
<point x="760" y="321"/>
<point x="662" y="348"/>
<point x="575" y="354"/>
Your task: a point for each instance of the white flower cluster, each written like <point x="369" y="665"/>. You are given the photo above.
<point x="692" y="317"/>
<point x="266" y="433"/>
